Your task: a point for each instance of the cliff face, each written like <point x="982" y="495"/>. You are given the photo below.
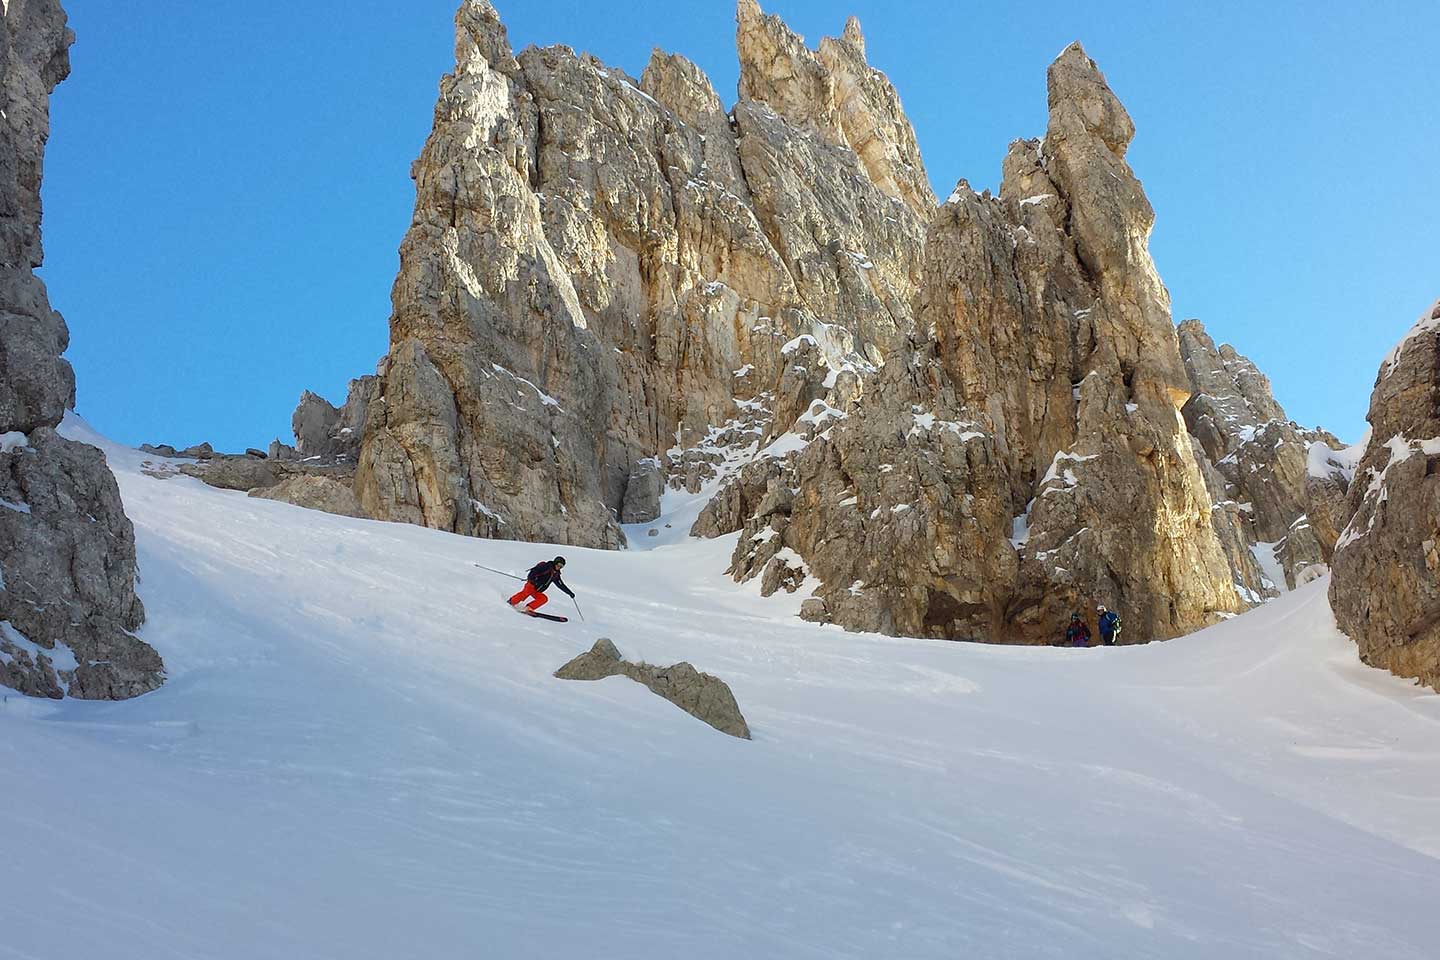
<point x="1026" y="458"/>
<point x="67" y="551"/>
<point x="600" y="267"/>
<point x="1386" y="584"/>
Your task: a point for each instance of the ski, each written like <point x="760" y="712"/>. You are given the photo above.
<point x="542" y="616"/>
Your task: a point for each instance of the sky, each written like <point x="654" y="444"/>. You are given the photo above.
<point x="227" y="185"/>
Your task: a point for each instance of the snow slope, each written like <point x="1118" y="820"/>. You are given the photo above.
<point x="361" y="753"/>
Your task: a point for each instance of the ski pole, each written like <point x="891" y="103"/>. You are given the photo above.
<point x="577" y="608"/>
<point x="493" y="570"/>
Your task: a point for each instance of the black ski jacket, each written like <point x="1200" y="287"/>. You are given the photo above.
<point x="545" y="573"/>
<point x="1077" y="633"/>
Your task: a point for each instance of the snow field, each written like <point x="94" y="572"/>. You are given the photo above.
<point x="361" y="753"/>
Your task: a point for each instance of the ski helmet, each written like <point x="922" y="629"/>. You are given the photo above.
<point x="1100" y="609"/>
<point x="1074" y="616"/>
<point x="559" y="561"/>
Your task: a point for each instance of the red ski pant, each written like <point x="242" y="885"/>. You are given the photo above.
<point x="530" y="591"/>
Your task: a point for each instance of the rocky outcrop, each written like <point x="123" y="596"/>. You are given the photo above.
<point x="1264" y="471"/>
<point x="1026" y="458"/>
<point x="232" y="472"/>
<point x="318" y="472"/>
<point x="68" y="609"/>
<point x="701" y="695"/>
<point x="1386" y="584"/>
<point x="320" y="483"/>
<point x="834" y="93"/>
<point x="325" y="494"/>
<point x="600" y="267"/>
<point x="642" y="492"/>
<point x="329" y="433"/>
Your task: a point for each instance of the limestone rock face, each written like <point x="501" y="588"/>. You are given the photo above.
<point x="642" y="492"/>
<point x="600" y="268"/>
<point x="1275" y="472"/>
<point x="1386" y="584"/>
<point x="1029" y="459"/>
<point x="68" y="609"/>
<point x="834" y="93"/>
<point x="36" y="383"/>
<point x="699" y="694"/>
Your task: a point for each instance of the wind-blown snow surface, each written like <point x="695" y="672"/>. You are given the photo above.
<point x="361" y="753"/>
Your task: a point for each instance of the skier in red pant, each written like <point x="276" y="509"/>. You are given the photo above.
<point x="537" y="581"/>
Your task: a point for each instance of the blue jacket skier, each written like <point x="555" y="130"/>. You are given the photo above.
<point x="1109" y="625"/>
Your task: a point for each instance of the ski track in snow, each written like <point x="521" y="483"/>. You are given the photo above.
<point x="361" y="753"/>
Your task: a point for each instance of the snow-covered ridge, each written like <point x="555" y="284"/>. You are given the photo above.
<point x="1429" y="322"/>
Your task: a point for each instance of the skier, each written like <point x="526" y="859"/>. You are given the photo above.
<point x="1109" y="624"/>
<point x="1077" y="634"/>
<point x="537" y="580"/>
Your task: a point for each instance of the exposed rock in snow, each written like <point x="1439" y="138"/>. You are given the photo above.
<point x="1386" y="583"/>
<point x="699" y="694"/>
<point x="67" y="550"/>
<point x="67" y="575"/>
<point x="314" y="493"/>
<point x="198" y="451"/>
<point x="317" y="473"/>
<point x="236" y="472"/>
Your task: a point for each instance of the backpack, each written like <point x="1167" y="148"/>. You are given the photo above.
<point x="542" y="574"/>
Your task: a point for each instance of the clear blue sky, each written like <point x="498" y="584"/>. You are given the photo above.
<point x="227" y="183"/>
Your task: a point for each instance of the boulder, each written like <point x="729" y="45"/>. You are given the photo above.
<point x="200" y="451"/>
<point x="699" y="694"/>
<point x="814" y="610"/>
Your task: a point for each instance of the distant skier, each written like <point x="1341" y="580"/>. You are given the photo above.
<point x="537" y="581"/>
<point x="1078" y="633"/>
<point x="1109" y="624"/>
